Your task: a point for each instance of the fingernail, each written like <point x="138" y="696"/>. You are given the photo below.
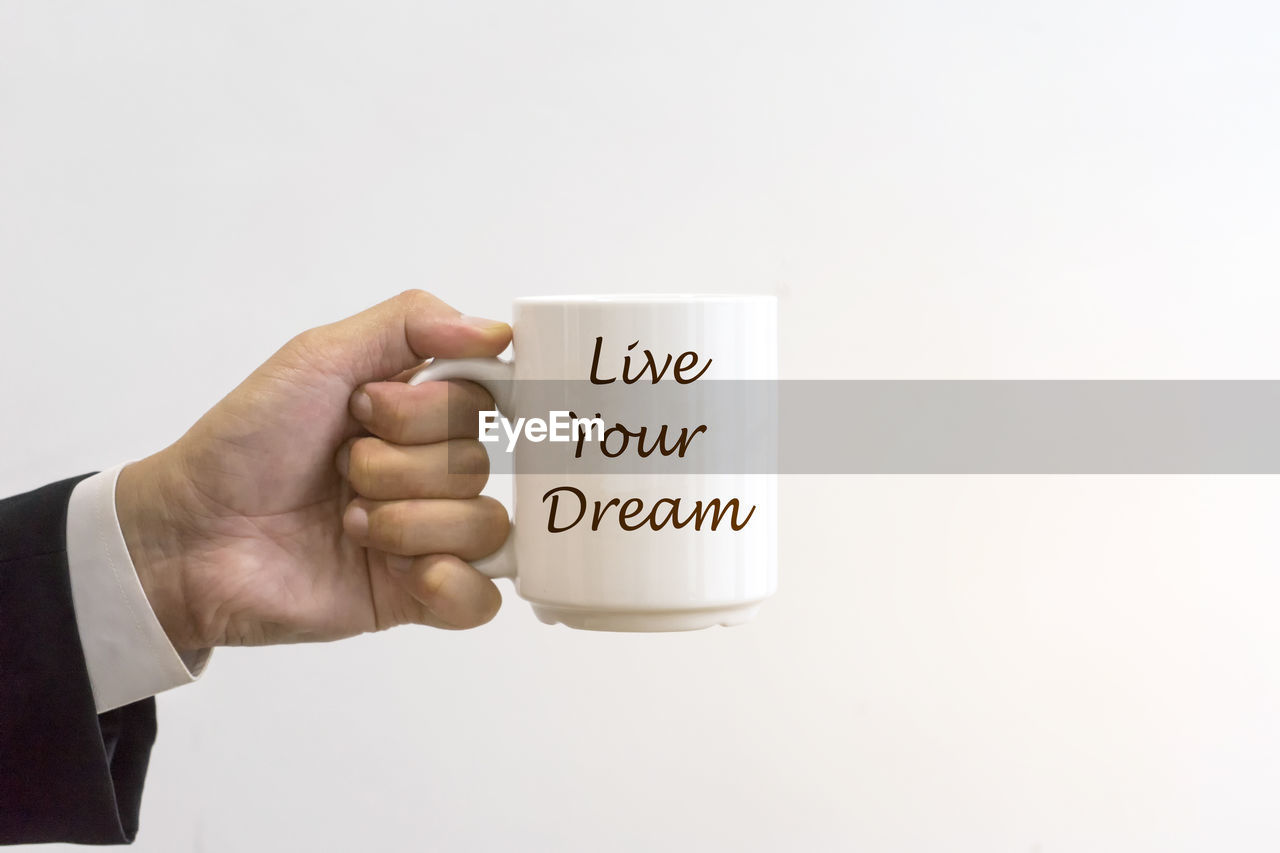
<point x="398" y="563"/>
<point x="356" y="521"/>
<point x="480" y="322"/>
<point x="361" y="406"/>
<point x="343" y="460"/>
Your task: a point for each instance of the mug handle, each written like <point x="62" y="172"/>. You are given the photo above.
<point x="495" y="376"/>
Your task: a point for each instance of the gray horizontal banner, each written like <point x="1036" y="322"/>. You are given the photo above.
<point x="1037" y="427"/>
<point x="1134" y="427"/>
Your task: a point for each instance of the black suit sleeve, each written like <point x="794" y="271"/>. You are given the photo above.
<point x="66" y="772"/>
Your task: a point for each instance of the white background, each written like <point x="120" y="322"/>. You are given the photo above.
<point x="981" y="189"/>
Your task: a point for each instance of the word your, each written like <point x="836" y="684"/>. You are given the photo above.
<point x="684" y="362"/>
<point x="679" y="446"/>
<point x="631" y="513"/>
<point x="562" y="426"/>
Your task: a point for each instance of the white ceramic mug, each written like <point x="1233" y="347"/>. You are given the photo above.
<point x="612" y="578"/>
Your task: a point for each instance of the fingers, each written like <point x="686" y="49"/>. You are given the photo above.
<point x="469" y="529"/>
<point x="449" y="592"/>
<point x="419" y="516"/>
<point x="382" y="471"/>
<point x="420" y="414"/>
<point x="394" y="335"/>
<point x="418" y="513"/>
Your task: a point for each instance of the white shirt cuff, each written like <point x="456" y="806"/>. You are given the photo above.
<point x="127" y="653"/>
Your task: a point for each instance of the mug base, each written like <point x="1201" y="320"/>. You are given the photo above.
<point x="644" y="621"/>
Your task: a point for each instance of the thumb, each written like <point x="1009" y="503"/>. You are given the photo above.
<point x="398" y="334"/>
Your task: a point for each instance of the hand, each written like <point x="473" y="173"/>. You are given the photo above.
<point x="245" y="531"/>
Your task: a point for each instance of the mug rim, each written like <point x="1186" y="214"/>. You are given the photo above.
<point x="644" y="298"/>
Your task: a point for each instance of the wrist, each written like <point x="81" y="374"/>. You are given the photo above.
<point x="158" y="545"/>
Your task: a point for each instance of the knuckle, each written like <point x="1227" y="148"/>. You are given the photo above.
<point x="492" y="606"/>
<point x="390" y="527"/>
<point x="309" y="350"/>
<point x="471" y="397"/>
<point x="468" y="458"/>
<point x="459" y="414"/>
<point x="411" y="295"/>
<point x="468" y="468"/>
<point x="434" y="581"/>
<point x="399" y="416"/>
<point x="309" y="341"/>
<point x="416" y="299"/>
<point x="495" y="519"/>
<point x="363" y="471"/>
